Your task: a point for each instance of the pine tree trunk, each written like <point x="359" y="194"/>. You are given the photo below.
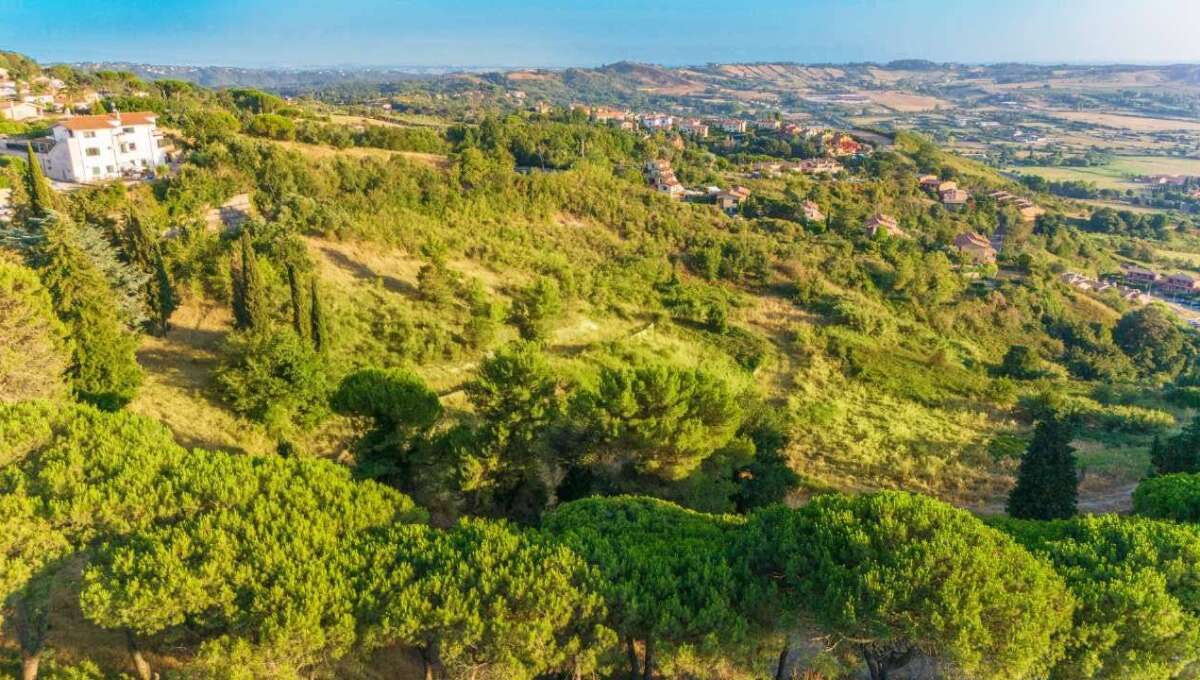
<point x="140" y="665"/>
<point x="634" y="668"/>
<point x="29" y="665"/>
<point x="427" y="661"/>
<point x="648" y="666"/>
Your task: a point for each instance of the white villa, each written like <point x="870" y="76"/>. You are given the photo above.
<point x="96" y="148"/>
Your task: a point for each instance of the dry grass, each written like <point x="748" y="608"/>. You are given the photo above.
<point x="905" y="103"/>
<point x="318" y="151"/>
<point x="178" y="387"/>
<point x="1121" y="121"/>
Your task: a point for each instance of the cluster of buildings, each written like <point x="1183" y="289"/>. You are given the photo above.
<point x="661" y="176"/>
<point x="1028" y="210"/>
<point x="811" y="166"/>
<point x="28" y="100"/>
<point x="947" y="191"/>
<point x="1178" y="284"/>
<point x="1166" y="180"/>
<point x="885" y="223"/>
<point x="1087" y="283"/>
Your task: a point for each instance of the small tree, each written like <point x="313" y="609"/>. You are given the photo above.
<point x="274" y="377"/>
<point x="163" y="300"/>
<point x="401" y="408"/>
<point x="1047" y="481"/>
<point x="300" y="304"/>
<point x="41" y="198"/>
<point x="1175" y="497"/>
<point x="33" y="342"/>
<point x="1022" y="363"/>
<point x="535" y="308"/>
<point x="318" y="326"/>
<point x="1179" y="453"/>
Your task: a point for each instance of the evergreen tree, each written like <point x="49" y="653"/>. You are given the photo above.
<point x="249" y="303"/>
<point x="318" y="327"/>
<point x="1180" y="453"/>
<point x="41" y="199"/>
<point x="300" y="313"/>
<point x="104" y="368"/>
<point x="1047" y="483"/>
<point x="163" y="298"/>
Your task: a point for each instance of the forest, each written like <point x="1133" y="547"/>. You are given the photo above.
<point x="472" y="401"/>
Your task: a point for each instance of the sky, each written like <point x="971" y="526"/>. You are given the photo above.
<point x="549" y="33"/>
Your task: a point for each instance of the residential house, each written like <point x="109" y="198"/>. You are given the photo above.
<point x="1181" y="284"/>
<point x="842" y="144"/>
<point x="886" y="223"/>
<point x="1139" y="276"/>
<point x="768" y="124"/>
<point x="733" y="125"/>
<point x="948" y="185"/>
<point x="812" y="212"/>
<point x="658" y="122"/>
<point x="975" y="246"/>
<point x="929" y="182"/>
<point x="103" y="147"/>
<point x="8" y="88"/>
<point x="604" y="114"/>
<point x="818" y="166"/>
<point x="19" y="111"/>
<point x="955" y="199"/>
<point x="693" y="127"/>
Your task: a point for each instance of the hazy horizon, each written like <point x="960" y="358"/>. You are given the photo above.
<point x="475" y="34"/>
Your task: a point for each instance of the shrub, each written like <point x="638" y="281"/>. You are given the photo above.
<point x="274" y="377"/>
<point x="1175" y="497"/>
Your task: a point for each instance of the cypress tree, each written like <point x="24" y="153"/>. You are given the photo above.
<point x="1047" y="482"/>
<point x="164" y="300"/>
<point x="300" y="313"/>
<point x="317" y="324"/>
<point x="250" y="303"/>
<point x="41" y="198"/>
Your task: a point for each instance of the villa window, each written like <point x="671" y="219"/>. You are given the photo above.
<point x="92" y="151"/>
<point x="128" y="131"/>
<point x="89" y="134"/>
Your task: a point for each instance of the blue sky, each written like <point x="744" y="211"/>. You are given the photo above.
<point x="571" y="32"/>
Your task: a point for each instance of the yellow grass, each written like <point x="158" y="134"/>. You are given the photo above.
<point x="320" y="151"/>
<point x="1135" y="123"/>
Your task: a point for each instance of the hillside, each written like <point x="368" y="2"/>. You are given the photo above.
<point x="478" y="391"/>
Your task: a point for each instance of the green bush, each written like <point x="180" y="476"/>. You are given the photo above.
<point x="1175" y="497"/>
<point x="274" y="377"/>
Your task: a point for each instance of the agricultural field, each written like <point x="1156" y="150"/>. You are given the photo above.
<point x="1119" y="174"/>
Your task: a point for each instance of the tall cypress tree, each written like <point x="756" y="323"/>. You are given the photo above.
<point x="1047" y="482"/>
<point x="300" y="313"/>
<point x="318" y="328"/>
<point x="249" y="296"/>
<point x="163" y="301"/>
<point x="41" y="198"/>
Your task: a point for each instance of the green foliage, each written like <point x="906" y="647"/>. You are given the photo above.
<point x="1152" y="339"/>
<point x="484" y="599"/>
<point x="663" y="571"/>
<point x="1021" y="363"/>
<point x="41" y="198"/>
<point x="535" y="308"/>
<point x="250" y="306"/>
<point x="1137" y="590"/>
<point x="1047" y="481"/>
<point x="1173" y="496"/>
<point x="272" y="126"/>
<point x="103" y="368"/>
<point x="274" y="377"/>
<point x="1178" y="453"/>
<point x="893" y="574"/>
<point x="263" y="523"/>
<point x="33" y="342"/>
<point x="655" y="418"/>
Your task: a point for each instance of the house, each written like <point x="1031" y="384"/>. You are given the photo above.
<point x="842" y="145"/>
<point x="107" y="146"/>
<point x="886" y="223"/>
<point x="731" y="125"/>
<point x="818" y="166"/>
<point x="977" y="247"/>
<point x="1181" y="284"/>
<point x="693" y="127"/>
<point x="8" y="88"/>
<point x="948" y="185"/>
<point x="658" y="122"/>
<point x="768" y="124"/>
<point x="19" y="111"/>
<point x="1139" y="276"/>
<point x="727" y="201"/>
<point x="955" y="199"/>
<point x="929" y="182"/>
<point x="812" y="212"/>
<point x="604" y="114"/>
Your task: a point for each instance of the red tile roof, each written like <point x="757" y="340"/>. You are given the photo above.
<point x="108" y="120"/>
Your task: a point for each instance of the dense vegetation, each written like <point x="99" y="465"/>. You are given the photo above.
<point x="474" y="401"/>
